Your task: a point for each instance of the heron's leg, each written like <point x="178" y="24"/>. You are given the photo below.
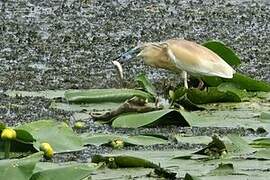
<point x="184" y="75"/>
<point x="201" y="84"/>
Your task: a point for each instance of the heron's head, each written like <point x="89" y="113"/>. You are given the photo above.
<point x="130" y="54"/>
<point x="148" y="51"/>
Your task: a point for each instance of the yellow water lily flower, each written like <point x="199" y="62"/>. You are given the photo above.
<point x="117" y="143"/>
<point x="8" y="134"/>
<point x="47" y="149"/>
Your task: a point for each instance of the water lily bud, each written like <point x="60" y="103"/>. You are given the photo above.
<point x="117" y="143"/>
<point x="8" y="134"/>
<point x="47" y="149"/>
<point x="172" y="94"/>
<point x="79" y="125"/>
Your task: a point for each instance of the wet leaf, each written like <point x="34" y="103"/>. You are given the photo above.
<point x="24" y="135"/>
<point x="248" y="83"/>
<point x="228" y="87"/>
<point x="223" y="51"/>
<point x="145" y="140"/>
<point x="239" y="146"/>
<point x="193" y="139"/>
<point x="58" y="135"/>
<point x="100" y="139"/>
<point x="212" y="95"/>
<point x="223" y="169"/>
<point x="146" y="84"/>
<point x="265" y="115"/>
<point x="123" y="161"/>
<point x="19" y="169"/>
<point x="104" y="95"/>
<point x="2" y="126"/>
<point x="263" y="154"/>
<point x="67" y="171"/>
<point x="190" y="177"/>
<point x="261" y="142"/>
<point x="150" y="119"/>
<point x="49" y="94"/>
<point x="85" y="107"/>
<point x="242" y="81"/>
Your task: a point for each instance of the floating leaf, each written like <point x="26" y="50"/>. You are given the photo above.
<point x="212" y="95"/>
<point x="19" y="169"/>
<point x="2" y="126"/>
<point x="161" y="117"/>
<point x="239" y="145"/>
<point x="124" y="161"/>
<point x="24" y="136"/>
<point x="193" y="139"/>
<point x="250" y="84"/>
<point x="49" y="94"/>
<point x="85" y="107"/>
<point x="223" y="51"/>
<point x="146" y="84"/>
<point x="67" y="171"/>
<point x="261" y="143"/>
<point x="265" y="115"/>
<point x="263" y="154"/>
<point x="228" y="87"/>
<point x="104" y="95"/>
<point x="58" y="135"/>
<point x="223" y="170"/>
<point x="190" y="177"/>
<point x="145" y="140"/>
<point x="100" y="139"/>
<point x="241" y="80"/>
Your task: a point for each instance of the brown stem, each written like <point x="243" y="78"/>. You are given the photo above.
<point x="132" y="105"/>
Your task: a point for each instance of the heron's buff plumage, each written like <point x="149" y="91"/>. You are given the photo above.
<point x="177" y="55"/>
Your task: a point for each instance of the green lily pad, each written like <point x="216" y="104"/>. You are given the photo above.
<point x="193" y="139"/>
<point x="263" y="154"/>
<point x="150" y="119"/>
<point x="104" y="95"/>
<point x="123" y="161"/>
<point x="223" y="51"/>
<point x="146" y="84"/>
<point x="250" y="84"/>
<point x="67" y="171"/>
<point x="145" y="140"/>
<point x="19" y="169"/>
<point x="190" y="177"/>
<point x="85" y="107"/>
<point x="223" y="169"/>
<point x="58" y="135"/>
<point x="23" y="135"/>
<point x="261" y="142"/>
<point x="242" y="81"/>
<point x="100" y="139"/>
<point x="239" y="146"/>
<point x="49" y="94"/>
<point x="212" y="95"/>
<point x="2" y="126"/>
<point x="265" y="115"/>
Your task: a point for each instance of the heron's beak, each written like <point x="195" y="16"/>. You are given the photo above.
<point x="132" y="53"/>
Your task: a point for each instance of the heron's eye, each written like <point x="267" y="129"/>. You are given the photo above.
<point x="126" y="56"/>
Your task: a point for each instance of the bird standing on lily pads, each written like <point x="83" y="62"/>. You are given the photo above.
<point x="181" y="56"/>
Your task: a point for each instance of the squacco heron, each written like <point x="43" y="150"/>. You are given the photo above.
<point x="181" y="56"/>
